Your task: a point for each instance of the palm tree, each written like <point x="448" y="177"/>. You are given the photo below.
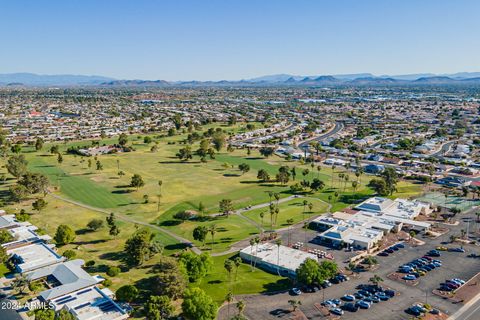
<point x="278" y="242"/>
<point x="229" y="299"/>
<point x="257" y="241"/>
<point x="262" y="214"/>
<point x="319" y="168"/>
<point x="295" y="304"/>
<point x="237" y="261"/>
<point x="228" y="265"/>
<point x="376" y="279"/>
<point x="272" y="212"/>
<point x="240" y="307"/>
<point x="333" y="174"/>
<point x="289" y="222"/>
<point x="213" y="230"/>
<point x="252" y="243"/>
<point x="270" y="195"/>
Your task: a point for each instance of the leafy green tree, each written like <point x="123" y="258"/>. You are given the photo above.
<point x="226" y="206"/>
<point x="185" y="153"/>
<point x="64" y="234"/>
<point x="34" y="182"/>
<point x="266" y="151"/>
<point x="39" y="204"/>
<point x="147" y="140"/>
<point x="308" y="272"/>
<point x="3" y="255"/>
<point x="54" y="149"/>
<point x="17" y="165"/>
<point x="113" y="271"/>
<point x="16" y="148"/>
<point x="177" y="121"/>
<point x="159" y="308"/>
<point x="122" y="139"/>
<point x="218" y="140"/>
<point x="18" y="192"/>
<point x="317" y="184"/>
<point x="196" y="266"/>
<point x="126" y="293"/>
<point x="200" y="234"/>
<point x="39" y="144"/>
<point x="137" y="181"/>
<point x="390" y="177"/>
<point x="5" y="236"/>
<point x="19" y="284"/>
<point x="59" y="158"/>
<point x="169" y="279"/>
<point x="379" y="185"/>
<point x="141" y="247"/>
<point x="64" y="315"/>
<point x="44" y="314"/>
<point x="244" y="167"/>
<point x="197" y="305"/>
<point x="95" y="224"/>
<point x="69" y="254"/>
<point x="263" y="175"/>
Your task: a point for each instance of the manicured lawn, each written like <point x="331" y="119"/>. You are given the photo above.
<point x="292" y="209"/>
<point x="98" y="246"/>
<point x="217" y="284"/>
<point x="229" y="230"/>
<point x="3" y="270"/>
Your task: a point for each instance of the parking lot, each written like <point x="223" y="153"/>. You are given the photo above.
<point x="454" y="265"/>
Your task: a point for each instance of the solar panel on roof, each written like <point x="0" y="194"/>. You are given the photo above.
<point x="82" y="306"/>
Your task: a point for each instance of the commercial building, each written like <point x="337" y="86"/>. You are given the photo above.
<point x="275" y="259"/>
<point x="365" y="225"/>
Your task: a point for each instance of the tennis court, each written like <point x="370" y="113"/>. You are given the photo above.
<point x="450" y="201"/>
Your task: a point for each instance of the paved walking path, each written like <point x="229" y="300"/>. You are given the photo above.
<point x="233" y="248"/>
<point x="128" y="219"/>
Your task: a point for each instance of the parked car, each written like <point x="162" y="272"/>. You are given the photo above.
<point x="296" y="291"/>
<point x="456" y="250"/>
<point x="363" y="304"/>
<point x="352" y="307"/>
<point x="337" y="311"/>
<point x="433" y="253"/>
<point x="390" y="293"/>
<point x="409" y="277"/>
<point x="400" y="245"/>
<point x="442" y="248"/>
<point x="348" y="297"/>
<point x="383" y="254"/>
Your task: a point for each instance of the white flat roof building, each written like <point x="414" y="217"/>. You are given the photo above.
<point x="90" y="304"/>
<point x="267" y="257"/>
<point x="377" y="217"/>
<point x="34" y="256"/>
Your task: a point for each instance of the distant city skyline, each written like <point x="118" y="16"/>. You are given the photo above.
<point x="233" y="40"/>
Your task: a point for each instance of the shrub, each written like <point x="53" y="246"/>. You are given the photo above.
<point x="69" y="254"/>
<point x="113" y="271"/>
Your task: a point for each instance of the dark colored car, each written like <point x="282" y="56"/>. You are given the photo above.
<point x="390" y="293"/>
<point x="350" y="307"/>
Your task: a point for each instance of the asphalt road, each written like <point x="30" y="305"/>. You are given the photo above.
<point x="444" y="149"/>
<point x="338" y="127"/>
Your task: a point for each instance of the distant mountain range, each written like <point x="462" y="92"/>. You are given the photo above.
<point x="358" y="79"/>
<point x="32" y="79"/>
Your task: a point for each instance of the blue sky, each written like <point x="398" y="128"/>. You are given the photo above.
<point x="235" y="39"/>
